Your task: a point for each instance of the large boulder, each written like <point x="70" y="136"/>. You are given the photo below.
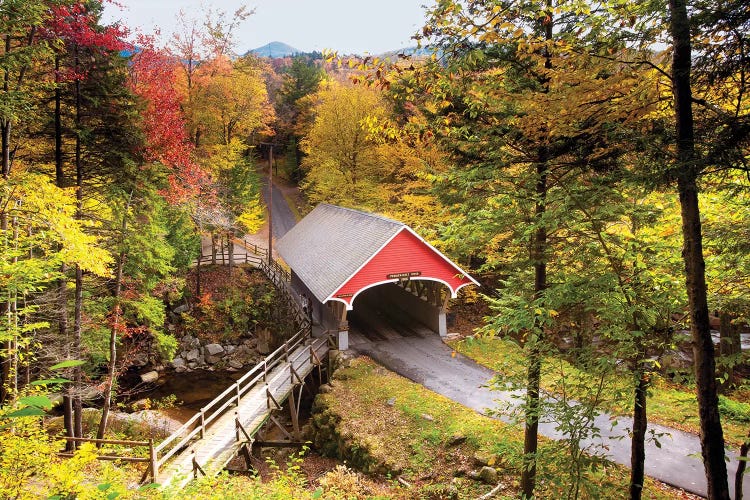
<point x="178" y="363"/>
<point x="212" y="360"/>
<point x="214" y="349"/>
<point x="149" y="377"/>
<point x="488" y="475"/>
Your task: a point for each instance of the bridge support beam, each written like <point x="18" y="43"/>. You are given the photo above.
<point x="294" y="414"/>
<point x="342" y="338"/>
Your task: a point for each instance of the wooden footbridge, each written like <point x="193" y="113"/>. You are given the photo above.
<point x="228" y="426"/>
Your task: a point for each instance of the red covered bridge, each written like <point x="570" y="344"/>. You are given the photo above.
<point x="339" y="257"/>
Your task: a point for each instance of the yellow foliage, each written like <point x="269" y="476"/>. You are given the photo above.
<point x="252" y="218"/>
<point x="228" y="99"/>
<point x="26" y="451"/>
<point x="31" y="469"/>
<point x="47" y="213"/>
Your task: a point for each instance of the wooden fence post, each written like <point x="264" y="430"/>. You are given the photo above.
<point x="203" y="423"/>
<point x="154" y="460"/>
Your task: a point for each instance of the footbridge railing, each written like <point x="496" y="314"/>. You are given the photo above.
<point x="301" y="346"/>
<point x="195" y="429"/>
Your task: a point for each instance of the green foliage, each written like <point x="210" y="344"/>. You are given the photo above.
<point x="146" y="310"/>
<point x="735" y="410"/>
<point x="166" y="345"/>
<point x="238" y="187"/>
<point x="148" y="254"/>
<point x="181" y="236"/>
<point x="18" y="19"/>
<point x="239" y="304"/>
<point x="301" y="78"/>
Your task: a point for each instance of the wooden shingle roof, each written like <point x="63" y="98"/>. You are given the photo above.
<point x="331" y="243"/>
<point x="339" y="252"/>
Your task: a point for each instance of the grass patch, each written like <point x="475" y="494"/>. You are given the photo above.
<point x="410" y="430"/>
<point x="669" y="404"/>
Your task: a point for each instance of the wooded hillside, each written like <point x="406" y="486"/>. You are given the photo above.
<point x="589" y="162"/>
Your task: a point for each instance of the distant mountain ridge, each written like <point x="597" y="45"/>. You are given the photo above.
<point x="275" y="50"/>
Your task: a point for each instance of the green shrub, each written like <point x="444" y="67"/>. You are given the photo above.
<point x="734" y="410"/>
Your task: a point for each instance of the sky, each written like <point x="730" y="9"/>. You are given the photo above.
<point x="346" y="26"/>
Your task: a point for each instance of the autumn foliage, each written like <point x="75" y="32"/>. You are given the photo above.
<point x="163" y="121"/>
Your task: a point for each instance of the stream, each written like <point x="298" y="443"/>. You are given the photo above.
<point x="193" y="390"/>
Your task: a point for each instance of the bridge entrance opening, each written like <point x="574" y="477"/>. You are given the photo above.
<point x="405" y="308"/>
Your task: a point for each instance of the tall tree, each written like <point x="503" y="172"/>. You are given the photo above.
<point x="20" y="23"/>
<point x="198" y="41"/>
<point x="300" y="79"/>
<point x="687" y="170"/>
<point x="92" y="88"/>
<point x="230" y="100"/>
<point x="528" y="111"/>
<point x="344" y="163"/>
<point x="152" y="78"/>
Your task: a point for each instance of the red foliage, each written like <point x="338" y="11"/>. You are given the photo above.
<point x="167" y="141"/>
<point x="77" y="25"/>
<point x="116" y="322"/>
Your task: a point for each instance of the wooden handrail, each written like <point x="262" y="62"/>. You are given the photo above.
<point x="153" y="467"/>
<point x="198" y="424"/>
<point x="218" y="405"/>
<point x="122" y="442"/>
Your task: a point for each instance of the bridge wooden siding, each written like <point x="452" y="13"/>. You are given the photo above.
<point x="209" y="440"/>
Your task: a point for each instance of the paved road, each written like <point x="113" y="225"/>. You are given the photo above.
<point x="282" y="216"/>
<point x="421" y="356"/>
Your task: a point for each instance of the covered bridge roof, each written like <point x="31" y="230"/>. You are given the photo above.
<point x="339" y="252"/>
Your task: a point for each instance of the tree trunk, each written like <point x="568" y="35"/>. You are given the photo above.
<point x="741" y="466"/>
<point x="112" y="371"/>
<point x="638" y="441"/>
<point x="5" y="129"/>
<point x="78" y="298"/>
<point x="68" y="420"/>
<point x="198" y="274"/>
<point x="78" y="374"/>
<point x="214" y="237"/>
<point x="539" y="258"/>
<point x="711" y="434"/>
<point x="5" y="347"/>
<point x="5" y="125"/>
<point x="59" y="172"/>
<point x="230" y="249"/>
<point x="531" y="431"/>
